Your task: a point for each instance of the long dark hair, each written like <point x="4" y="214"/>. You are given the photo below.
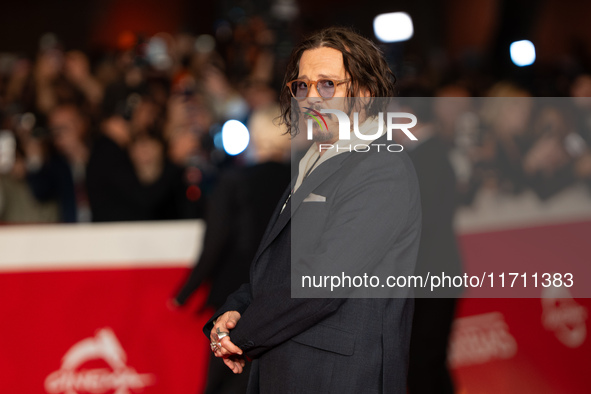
<point x="364" y="63"/>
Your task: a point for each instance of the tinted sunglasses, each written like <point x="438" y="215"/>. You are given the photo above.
<point x="300" y="88"/>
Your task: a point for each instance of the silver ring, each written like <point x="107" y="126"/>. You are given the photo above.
<point x="222" y="334"/>
<point x="215" y="346"/>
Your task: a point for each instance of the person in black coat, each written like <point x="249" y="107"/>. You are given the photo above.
<point x="117" y="188"/>
<point x="58" y="174"/>
<point x="238" y="212"/>
<point x="438" y="252"/>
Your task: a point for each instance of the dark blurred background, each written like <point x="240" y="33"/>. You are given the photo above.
<point x="129" y="110"/>
<point x="473" y="35"/>
<point x="114" y="110"/>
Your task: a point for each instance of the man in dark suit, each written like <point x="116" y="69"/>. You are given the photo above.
<point x="355" y="212"/>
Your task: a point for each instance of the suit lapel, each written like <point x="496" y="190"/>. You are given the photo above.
<point x="316" y="178"/>
<point x="273" y="219"/>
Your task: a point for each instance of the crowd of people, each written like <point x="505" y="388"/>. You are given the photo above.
<point x="134" y="134"/>
<point x="510" y="142"/>
<point x="130" y="137"/>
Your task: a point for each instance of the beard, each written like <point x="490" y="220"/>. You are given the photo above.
<point x="320" y="135"/>
<point x="324" y="133"/>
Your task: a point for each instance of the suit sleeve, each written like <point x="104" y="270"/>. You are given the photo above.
<point x="371" y="213"/>
<point x="237" y="301"/>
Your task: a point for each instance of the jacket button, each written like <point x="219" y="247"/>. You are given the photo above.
<point x="248" y="345"/>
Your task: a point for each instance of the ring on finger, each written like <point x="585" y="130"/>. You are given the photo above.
<point x="219" y="334"/>
<point x="215" y="346"/>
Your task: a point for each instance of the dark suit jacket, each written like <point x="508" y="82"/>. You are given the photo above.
<point x="439" y="250"/>
<point x="238" y="212"/>
<point x="370" y="220"/>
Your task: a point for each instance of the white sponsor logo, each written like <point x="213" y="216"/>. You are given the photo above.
<point x="563" y="315"/>
<point x="119" y="378"/>
<point x="345" y="124"/>
<point x="479" y="339"/>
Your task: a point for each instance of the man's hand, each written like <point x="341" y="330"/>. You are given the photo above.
<point x="231" y="353"/>
<point x="235" y="363"/>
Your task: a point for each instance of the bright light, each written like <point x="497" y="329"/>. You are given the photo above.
<point x="523" y="53"/>
<point x="157" y="53"/>
<point x="393" y="27"/>
<point x="235" y="137"/>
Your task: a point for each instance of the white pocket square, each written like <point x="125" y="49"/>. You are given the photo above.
<point x="315" y="198"/>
